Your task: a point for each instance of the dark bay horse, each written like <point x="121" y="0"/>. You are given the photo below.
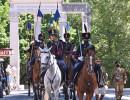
<point x="36" y="75"/>
<point x="67" y="58"/>
<point x="87" y="82"/>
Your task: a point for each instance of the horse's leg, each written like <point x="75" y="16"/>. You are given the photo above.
<point x="80" y="95"/>
<point x="65" y="91"/>
<point x="35" y="92"/>
<point x="74" y="97"/>
<point x="71" y="93"/>
<point x="49" y="95"/>
<point x="56" y="93"/>
<point x="28" y="88"/>
<point x="89" y="96"/>
<point x="38" y="91"/>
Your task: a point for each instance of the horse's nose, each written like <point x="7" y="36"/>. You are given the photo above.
<point x="43" y="68"/>
<point x="38" y="61"/>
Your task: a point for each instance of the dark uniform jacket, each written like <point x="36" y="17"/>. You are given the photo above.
<point x="57" y="48"/>
<point x="84" y="46"/>
<point x="68" y="48"/>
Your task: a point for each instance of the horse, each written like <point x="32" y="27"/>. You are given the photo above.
<point x="87" y="82"/>
<point x="53" y="75"/>
<point x="36" y="75"/>
<point x="67" y="56"/>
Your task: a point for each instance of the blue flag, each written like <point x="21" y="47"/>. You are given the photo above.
<point x="68" y="27"/>
<point x="57" y="15"/>
<point x="51" y="22"/>
<point x="29" y="26"/>
<point x="40" y="14"/>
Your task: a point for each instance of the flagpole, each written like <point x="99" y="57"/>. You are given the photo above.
<point x="34" y="34"/>
<point x="27" y="43"/>
<point x="56" y="25"/>
<point x="31" y="34"/>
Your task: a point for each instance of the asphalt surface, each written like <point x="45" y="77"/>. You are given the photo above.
<point x="22" y="95"/>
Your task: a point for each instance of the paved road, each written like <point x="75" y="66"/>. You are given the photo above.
<point x="22" y="95"/>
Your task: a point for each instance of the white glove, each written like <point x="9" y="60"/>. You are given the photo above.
<point x="26" y="48"/>
<point x="81" y="58"/>
<point x="32" y="42"/>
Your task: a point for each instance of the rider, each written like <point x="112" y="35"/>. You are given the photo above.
<point x="41" y="38"/>
<point x="31" y="59"/>
<point x="57" y="50"/>
<point x="33" y="45"/>
<point x="68" y="46"/>
<point x="102" y="78"/>
<point x="79" y="65"/>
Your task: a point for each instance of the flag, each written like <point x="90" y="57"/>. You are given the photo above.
<point x="57" y="15"/>
<point x="51" y="22"/>
<point x="29" y="26"/>
<point x="40" y="14"/>
<point x="68" y="27"/>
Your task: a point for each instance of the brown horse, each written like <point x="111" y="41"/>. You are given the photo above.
<point x="36" y="75"/>
<point x="67" y="59"/>
<point x="87" y="82"/>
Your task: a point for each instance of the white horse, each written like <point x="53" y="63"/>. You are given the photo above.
<point x="52" y="78"/>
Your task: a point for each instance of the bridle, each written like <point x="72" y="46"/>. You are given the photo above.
<point x="48" y="65"/>
<point x="38" y="56"/>
<point x="89" y="67"/>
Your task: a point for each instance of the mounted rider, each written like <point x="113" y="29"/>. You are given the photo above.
<point x="57" y="50"/>
<point x="81" y="48"/>
<point x="41" y="38"/>
<point x="33" y="45"/>
<point x="68" y="46"/>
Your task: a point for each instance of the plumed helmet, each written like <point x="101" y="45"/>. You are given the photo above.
<point x="52" y="32"/>
<point x="66" y="35"/>
<point x="41" y="35"/>
<point x="86" y="35"/>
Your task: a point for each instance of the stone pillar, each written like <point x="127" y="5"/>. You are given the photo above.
<point x="38" y="27"/>
<point x="63" y="22"/>
<point x="87" y="21"/>
<point x="14" y="43"/>
<point x="84" y="21"/>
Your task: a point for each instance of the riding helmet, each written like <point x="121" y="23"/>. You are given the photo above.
<point x="41" y="35"/>
<point x="52" y="32"/>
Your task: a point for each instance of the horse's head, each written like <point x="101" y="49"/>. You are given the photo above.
<point x="37" y="53"/>
<point x="45" y="58"/>
<point x="90" y="60"/>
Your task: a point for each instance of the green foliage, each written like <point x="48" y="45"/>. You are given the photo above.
<point x="4" y="23"/>
<point x="109" y="29"/>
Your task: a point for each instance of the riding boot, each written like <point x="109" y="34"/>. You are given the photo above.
<point x="101" y="97"/>
<point x="97" y="97"/>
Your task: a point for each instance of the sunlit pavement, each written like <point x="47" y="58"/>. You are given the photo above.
<point x="22" y="95"/>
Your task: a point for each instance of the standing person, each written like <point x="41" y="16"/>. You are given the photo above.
<point x="102" y="78"/>
<point x="118" y="79"/>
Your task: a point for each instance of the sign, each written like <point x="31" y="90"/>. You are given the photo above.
<point x="5" y="52"/>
